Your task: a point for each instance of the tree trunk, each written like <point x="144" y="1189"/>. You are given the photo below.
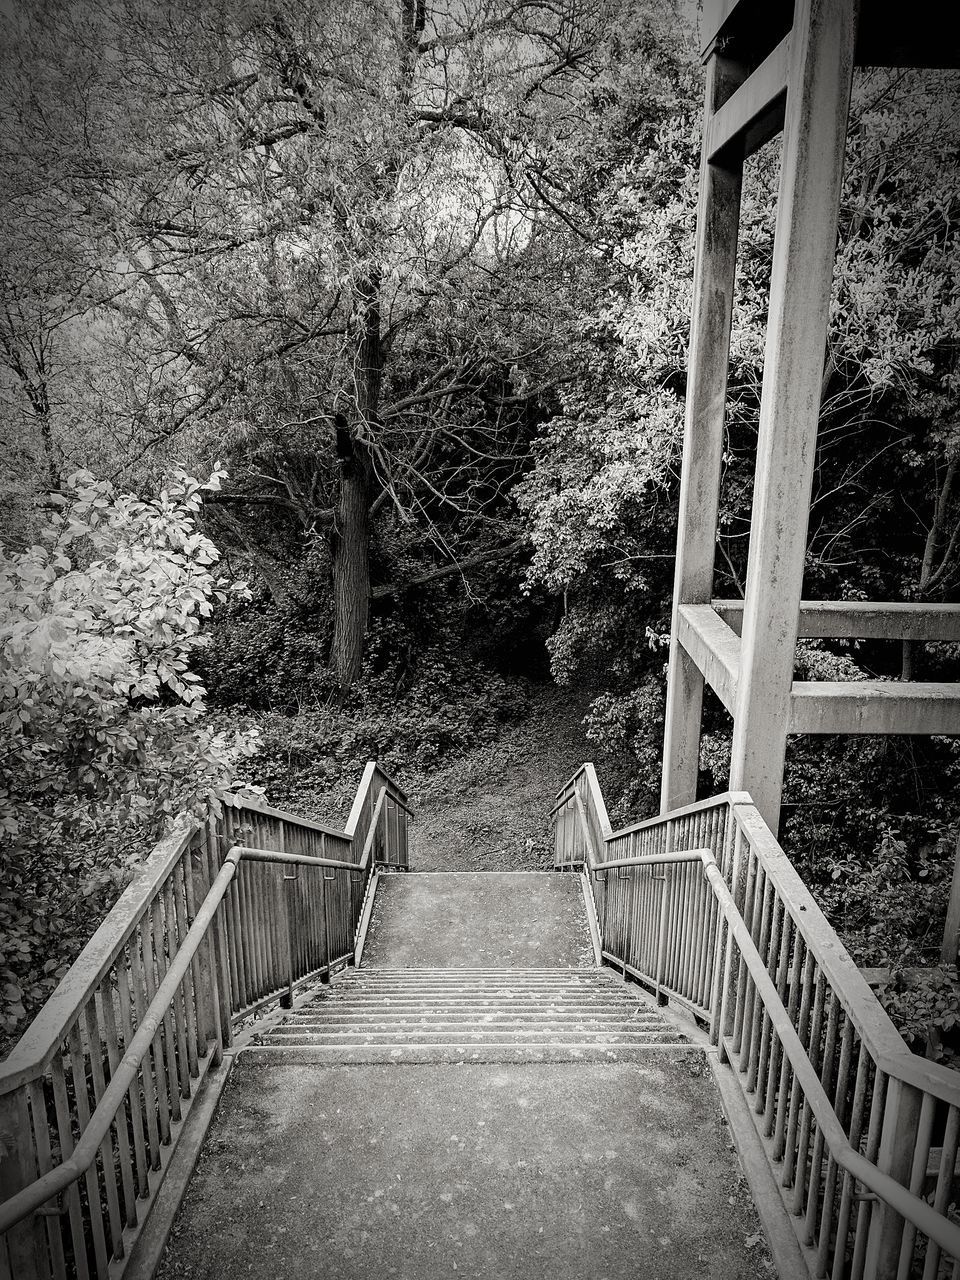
<point x="351" y="532"/>
<point x="931" y="573"/>
<point x="351" y="563"/>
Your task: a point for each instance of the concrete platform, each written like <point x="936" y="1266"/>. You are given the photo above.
<point x="478" y="920"/>
<point x="493" y="1172"/>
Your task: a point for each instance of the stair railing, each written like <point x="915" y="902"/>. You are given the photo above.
<point x="222" y="919"/>
<point x="704" y="907"/>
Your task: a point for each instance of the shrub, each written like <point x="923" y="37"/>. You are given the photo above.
<point x="104" y="737"/>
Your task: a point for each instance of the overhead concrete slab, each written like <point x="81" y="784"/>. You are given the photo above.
<point x="487" y="1172"/>
<point x="478" y="920"/>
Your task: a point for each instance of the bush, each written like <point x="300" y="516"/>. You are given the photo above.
<point x="103" y="719"/>
<point x="450" y="706"/>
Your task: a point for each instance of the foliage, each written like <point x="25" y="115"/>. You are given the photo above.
<point x="450" y="706"/>
<point x="102" y="716"/>
<point x="925" y="1007"/>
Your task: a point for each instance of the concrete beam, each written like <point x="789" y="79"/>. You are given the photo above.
<point x="874" y="706"/>
<point x="863" y="620"/>
<point x="754" y="112"/>
<point x="714" y="647"/>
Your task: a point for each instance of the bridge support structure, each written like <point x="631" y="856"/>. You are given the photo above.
<point x="772" y="67"/>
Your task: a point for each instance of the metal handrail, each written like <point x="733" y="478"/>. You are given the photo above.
<point x="935" y="1225"/>
<point x="909" y="1206"/>
<point x="30" y="1198"/>
<point x="879" y="1038"/>
<point x="885" y="1044"/>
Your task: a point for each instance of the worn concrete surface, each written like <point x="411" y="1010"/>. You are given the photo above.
<point x="478" y="920"/>
<point x="547" y="1172"/>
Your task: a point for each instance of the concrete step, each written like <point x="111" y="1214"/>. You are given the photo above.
<point x="496" y="1018"/>
<point x="454" y="1054"/>
<point x="437" y="1031"/>
<point x="438" y="1016"/>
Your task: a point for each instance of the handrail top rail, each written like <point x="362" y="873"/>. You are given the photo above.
<point x="37" y="1047"/>
<point x="258" y="806"/>
<point x="252" y="853"/>
<point x="731" y="799"/>
<point x="397" y="794"/>
<point x="568" y="789"/>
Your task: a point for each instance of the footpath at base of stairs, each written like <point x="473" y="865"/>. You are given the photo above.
<point x="555" y="1171"/>
<point x="476" y="1100"/>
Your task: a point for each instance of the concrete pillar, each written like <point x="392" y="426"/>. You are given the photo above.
<point x="818" y="100"/>
<point x="718" y="220"/>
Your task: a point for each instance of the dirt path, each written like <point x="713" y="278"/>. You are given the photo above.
<point x="488" y="811"/>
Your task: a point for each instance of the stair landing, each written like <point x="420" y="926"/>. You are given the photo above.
<point x="494" y="1172"/>
<point x="477" y="920"/>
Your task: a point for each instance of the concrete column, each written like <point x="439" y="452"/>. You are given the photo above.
<point x="818" y="101"/>
<point x="718" y="221"/>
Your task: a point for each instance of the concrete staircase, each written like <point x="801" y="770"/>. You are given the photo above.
<point x="472" y="1015"/>
<point x="475" y="1101"/>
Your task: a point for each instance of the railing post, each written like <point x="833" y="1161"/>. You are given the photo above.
<point x="208" y="985"/>
<point x="898" y="1139"/>
<point x="24" y="1242"/>
<point x="666" y="881"/>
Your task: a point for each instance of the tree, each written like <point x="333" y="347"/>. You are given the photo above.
<point x="314" y="248"/>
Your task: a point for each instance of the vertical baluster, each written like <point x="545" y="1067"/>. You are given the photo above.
<point x="775" y="1047"/>
<point x="918" y="1174"/>
<point x="830" y="1182"/>
<point x="220" y="949"/>
<point x="214" y="980"/>
<point x="790" y="1150"/>
<point x="231" y="920"/>
<point x="744" y="1024"/>
<point x="765" y="1048"/>
<point x="816" y="1162"/>
<point x="147" y="1113"/>
<point x="143" y="992"/>
<point x="173" y="939"/>
<point x="707" y="907"/>
<point x="109" y="1172"/>
<point x="795" y="985"/>
<point x="41" y="1143"/>
<point x="711" y="917"/>
<point x="169" y="1033"/>
<point x="108" y="1017"/>
<point x="943" y="1194"/>
<point x="767" y="913"/>
<point x="865" y="1207"/>
<point x="202" y="976"/>
<point x="82" y="1103"/>
<point x="857" y="1107"/>
<point x="190" y="995"/>
<point x="247" y="874"/>
<point x="813" y="1054"/>
<point x="746" y="911"/>
<point x="325" y="911"/>
<point x="270" y="892"/>
<point x="72" y="1193"/>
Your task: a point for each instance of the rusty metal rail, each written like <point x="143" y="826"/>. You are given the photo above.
<point x="703" y="906"/>
<point x="221" y="920"/>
